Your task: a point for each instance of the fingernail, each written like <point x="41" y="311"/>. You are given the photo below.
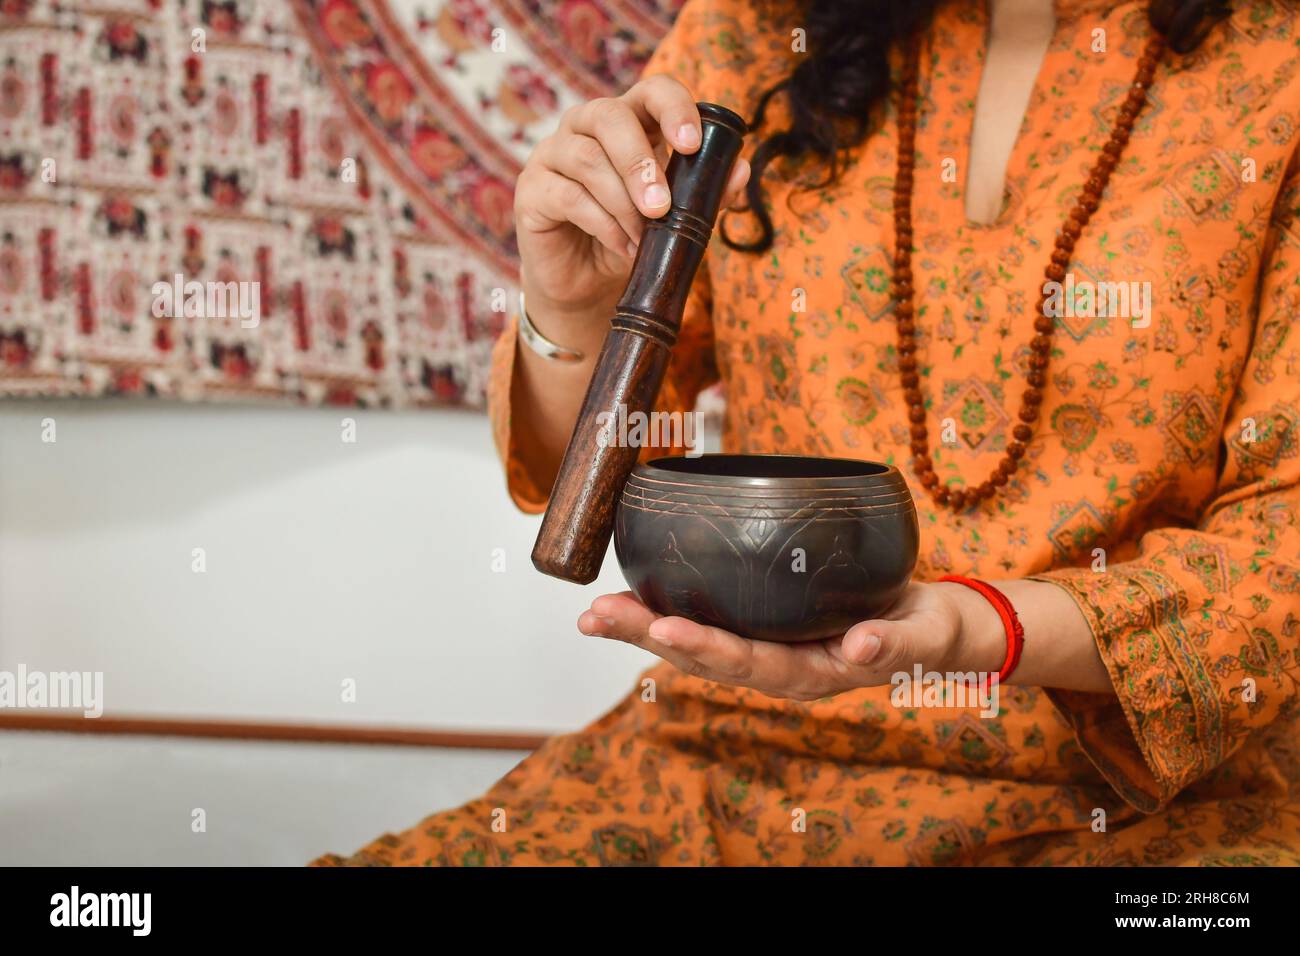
<point x="599" y="627"/>
<point x="688" y="135"/>
<point x="656" y="195"/>
<point x="631" y="249"/>
<point x="862" y="648"/>
<point x="658" y="634"/>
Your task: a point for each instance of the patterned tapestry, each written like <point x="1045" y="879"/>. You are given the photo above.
<point x="303" y="200"/>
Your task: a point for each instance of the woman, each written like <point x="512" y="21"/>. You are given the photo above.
<point x="1128" y="481"/>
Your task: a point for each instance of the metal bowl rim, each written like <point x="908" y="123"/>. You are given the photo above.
<point x="885" y="475"/>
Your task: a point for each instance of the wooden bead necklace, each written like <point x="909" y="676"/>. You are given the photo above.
<point x="1041" y="345"/>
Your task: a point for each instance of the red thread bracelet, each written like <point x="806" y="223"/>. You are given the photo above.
<point x="1006" y="612"/>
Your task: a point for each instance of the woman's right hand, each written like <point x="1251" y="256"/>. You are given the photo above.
<point x="580" y="198"/>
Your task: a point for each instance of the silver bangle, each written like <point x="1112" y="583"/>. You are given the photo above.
<point x="540" y="343"/>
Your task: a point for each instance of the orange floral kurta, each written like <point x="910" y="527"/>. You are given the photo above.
<point x="1173" y="448"/>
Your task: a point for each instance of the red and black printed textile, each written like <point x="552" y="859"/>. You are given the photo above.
<point x="355" y="158"/>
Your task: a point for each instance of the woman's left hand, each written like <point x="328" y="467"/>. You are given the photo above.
<point x="933" y="625"/>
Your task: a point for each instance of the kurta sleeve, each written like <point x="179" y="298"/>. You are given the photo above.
<point x="1201" y="630"/>
<point x="692" y="367"/>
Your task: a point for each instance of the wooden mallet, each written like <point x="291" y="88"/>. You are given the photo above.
<point x="579" y="519"/>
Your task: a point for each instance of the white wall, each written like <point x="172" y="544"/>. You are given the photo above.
<point x="325" y="561"/>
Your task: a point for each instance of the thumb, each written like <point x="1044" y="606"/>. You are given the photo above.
<point x="881" y="644"/>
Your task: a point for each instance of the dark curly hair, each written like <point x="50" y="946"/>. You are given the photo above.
<point x="835" y="93"/>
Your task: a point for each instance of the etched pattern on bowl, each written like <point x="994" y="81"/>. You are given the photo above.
<point x="779" y="548"/>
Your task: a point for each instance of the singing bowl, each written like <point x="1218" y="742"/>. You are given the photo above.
<point x="773" y="547"/>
